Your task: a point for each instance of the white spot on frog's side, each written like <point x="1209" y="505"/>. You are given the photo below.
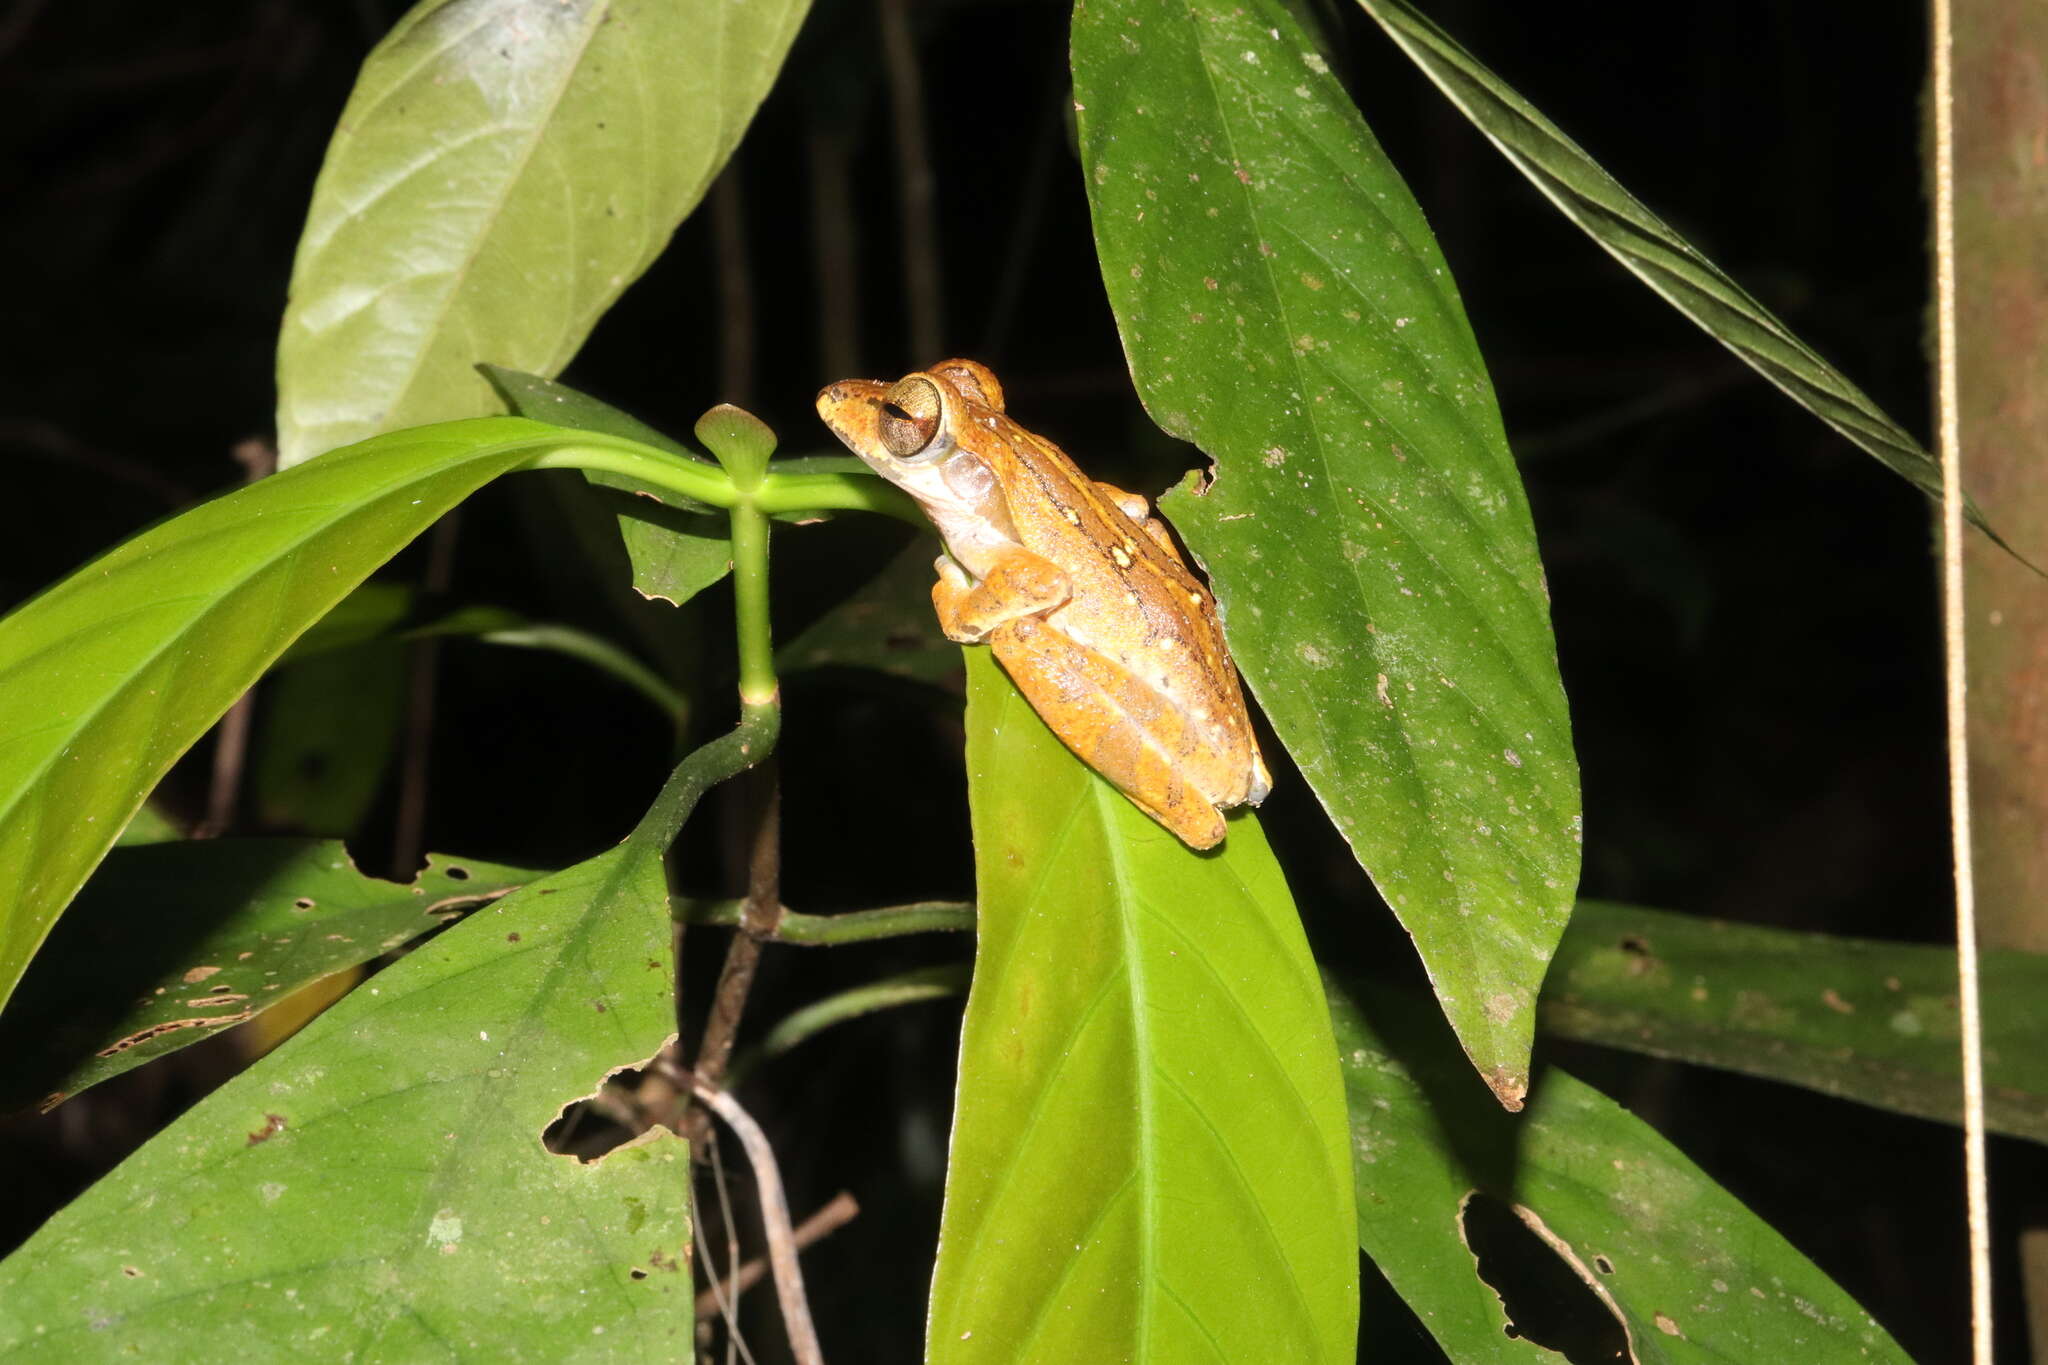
<point x="445" y="1231"/>
<point x="1121" y="556"/>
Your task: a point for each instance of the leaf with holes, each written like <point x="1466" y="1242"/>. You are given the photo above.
<point x="1866" y="1020"/>
<point x="1691" y="1275"/>
<point x="502" y="172"/>
<point x="172" y="943"/>
<point x="110" y="675"/>
<point x="1149" y="1156"/>
<point x="376" y="1189"/>
<point x="1284" y="306"/>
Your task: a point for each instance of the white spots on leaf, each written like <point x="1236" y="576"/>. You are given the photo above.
<point x="1314" y="62"/>
<point x="1514" y="759"/>
<point x="445" y="1231"/>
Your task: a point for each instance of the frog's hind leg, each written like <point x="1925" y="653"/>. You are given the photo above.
<point x="1113" y="722"/>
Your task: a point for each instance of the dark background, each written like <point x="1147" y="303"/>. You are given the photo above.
<point x="1744" y="603"/>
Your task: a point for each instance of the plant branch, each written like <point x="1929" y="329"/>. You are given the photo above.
<point x="789" y="1276"/>
<point x="816" y="1228"/>
<point x="852" y="926"/>
<point x="906" y="988"/>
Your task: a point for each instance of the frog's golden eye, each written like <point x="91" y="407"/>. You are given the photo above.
<point x="909" y="418"/>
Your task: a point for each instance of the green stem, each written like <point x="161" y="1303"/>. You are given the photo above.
<point x="779" y="494"/>
<point x="750" y="604"/>
<point x="856" y="926"/>
<point x="925" y="983"/>
<point x="731" y="754"/>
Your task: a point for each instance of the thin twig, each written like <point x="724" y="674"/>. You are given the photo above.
<point x="1975" y="1176"/>
<point x="725" y="1306"/>
<point x="730" y="1308"/>
<point x="816" y="1228"/>
<point x="410" y="839"/>
<point x="231" y="741"/>
<point x="914" y="181"/>
<point x="760" y="917"/>
<point x="789" y="1276"/>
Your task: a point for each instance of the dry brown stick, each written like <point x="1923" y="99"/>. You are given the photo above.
<point x="231" y="742"/>
<point x="816" y="1228"/>
<point x="789" y="1276"/>
<point x="760" y="917"/>
<point x="914" y="181"/>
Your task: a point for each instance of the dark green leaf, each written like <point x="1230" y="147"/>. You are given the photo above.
<point x="501" y="173"/>
<point x="110" y="675"/>
<point x="1866" y="1020"/>
<point x="1284" y="306"/>
<point x="888" y="625"/>
<point x="172" y="943"/>
<point x="1149" y="1156"/>
<point x="1693" y="1275"/>
<point x="327" y="734"/>
<point x="376" y="1189"/>
<point x="1656" y="255"/>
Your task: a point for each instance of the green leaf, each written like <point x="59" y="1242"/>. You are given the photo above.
<point x="740" y="441"/>
<point x="326" y="735"/>
<point x="1284" y="306"/>
<point x="1693" y="1275"/>
<point x="888" y="625"/>
<point x="678" y="547"/>
<point x="501" y="173"/>
<point x="110" y="675"/>
<point x="1655" y="254"/>
<point x="150" y="826"/>
<point x="1866" y="1020"/>
<point x="1149" y="1157"/>
<point x="172" y="943"/>
<point x="376" y="1189"/>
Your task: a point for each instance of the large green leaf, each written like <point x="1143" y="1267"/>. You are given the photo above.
<point x="502" y="172"/>
<point x="1692" y="1274"/>
<point x="171" y="943"/>
<point x="1655" y="254"/>
<point x="377" y="1189"/>
<point x="1283" y="306"/>
<point x="1149" y="1158"/>
<point x="1866" y="1020"/>
<point x="110" y="675"/>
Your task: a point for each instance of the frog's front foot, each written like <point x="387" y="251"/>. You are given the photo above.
<point x="1019" y="585"/>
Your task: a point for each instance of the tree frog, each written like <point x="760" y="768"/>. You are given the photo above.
<point x="1077" y="588"/>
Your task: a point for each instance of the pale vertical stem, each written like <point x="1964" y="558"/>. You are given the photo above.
<point x="789" y="1276"/>
<point x="1975" y="1176"/>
